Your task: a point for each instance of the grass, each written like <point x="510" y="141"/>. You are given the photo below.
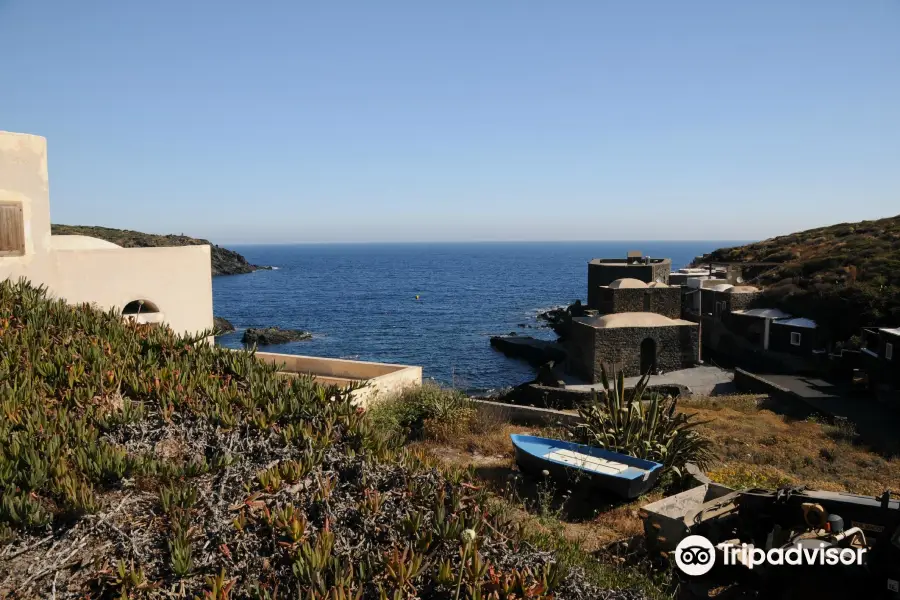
<point x="757" y="443"/>
<point x="760" y="444"/>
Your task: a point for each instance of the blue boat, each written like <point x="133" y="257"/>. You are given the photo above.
<point x="620" y="474"/>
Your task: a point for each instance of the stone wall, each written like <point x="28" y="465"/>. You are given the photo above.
<point x="605" y="271"/>
<point x="620" y="349"/>
<point x="740" y="301"/>
<point x="663" y="301"/>
<point x="579" y="346"/>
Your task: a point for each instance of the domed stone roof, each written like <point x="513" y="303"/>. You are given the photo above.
<point x="722" y="287"/>
<point x="627" y="283"/>
<point x="633" y="319"/>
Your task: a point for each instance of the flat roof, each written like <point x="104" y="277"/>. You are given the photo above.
<point x="797" y="322"/>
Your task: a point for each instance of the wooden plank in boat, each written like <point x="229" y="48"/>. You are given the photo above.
<point x="586" y="461"/>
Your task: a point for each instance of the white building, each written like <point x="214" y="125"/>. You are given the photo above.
<point x="173" y="285"/>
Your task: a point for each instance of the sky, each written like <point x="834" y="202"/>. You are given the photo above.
<point x="298" y="121"/>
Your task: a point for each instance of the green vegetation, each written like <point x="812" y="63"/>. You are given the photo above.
<point x="135" y="463"/>
<point x="648" y="428"/>
<point x="844" y="276"/>
<point x="428" y="411"/>
<point x="224" y="261"/>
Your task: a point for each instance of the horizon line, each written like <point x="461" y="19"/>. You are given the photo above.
<point x="585" y="241"/>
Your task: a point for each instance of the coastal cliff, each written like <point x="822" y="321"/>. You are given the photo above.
<point x="224" y="261"/>
<point x="844" y="276"/>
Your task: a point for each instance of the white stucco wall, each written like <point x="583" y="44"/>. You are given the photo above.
<point x="382" y="379"/>
<point x="79" y="242"/>
<point x="177" y="280"/>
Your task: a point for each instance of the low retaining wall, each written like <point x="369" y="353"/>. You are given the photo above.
<point x="525" y="414"/>
<point x="381" y="379"/>
<point x="567" y="399"/>
<point x="748" y="382"/>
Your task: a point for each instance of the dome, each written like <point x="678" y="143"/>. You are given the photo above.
<point x="626" y="283"/>
<point x="633" y="319"/>
<point x="722" y="287"/>
<point x="80" y="242"/>
<point x="743" y="289"/>
<point x="657" y="284"/>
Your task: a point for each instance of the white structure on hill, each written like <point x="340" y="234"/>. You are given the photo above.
<point x="171" y="285"/>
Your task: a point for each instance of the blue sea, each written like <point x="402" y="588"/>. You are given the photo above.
<point x="359" y="300"/>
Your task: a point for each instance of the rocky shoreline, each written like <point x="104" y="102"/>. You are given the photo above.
<point x="223" y="261"/>
<point x="273" y="335"/>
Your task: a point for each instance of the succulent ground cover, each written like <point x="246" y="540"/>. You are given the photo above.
<point x="135" y="463"/>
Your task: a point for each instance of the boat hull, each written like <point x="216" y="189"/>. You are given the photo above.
<point x="531" y="458"/>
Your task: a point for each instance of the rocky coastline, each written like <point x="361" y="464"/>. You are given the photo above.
<point x="223" y="261"/>
<point x="269" y="336"/>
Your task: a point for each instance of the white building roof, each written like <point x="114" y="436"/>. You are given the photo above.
<point x="763" y="313"/>
<point x="797" y="322"/>
<point x="627" y="282"/>
<point x="895" y="331"/>
<point x="743" y="289"/>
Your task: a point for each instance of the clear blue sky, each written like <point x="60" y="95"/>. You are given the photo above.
<point x="286" y="121"/>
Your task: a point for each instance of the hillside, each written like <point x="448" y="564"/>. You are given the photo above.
<point x="135" y="463"/>
<point x="844" y="276"/>
<point x="224" y="261"/>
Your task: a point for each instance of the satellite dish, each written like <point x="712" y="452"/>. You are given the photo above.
<point x="659" y="280"/>
<point x="740" y="280"/>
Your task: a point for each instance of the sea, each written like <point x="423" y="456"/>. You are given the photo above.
<point x="434" y="305"/>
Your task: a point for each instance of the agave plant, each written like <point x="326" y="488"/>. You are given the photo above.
<point x="642" y="425"/>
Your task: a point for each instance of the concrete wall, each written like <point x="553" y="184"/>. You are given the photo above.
<point x="605" y="271"/>
<point x="619" y="348"/>
<point x="383" y="379"/>
<point x="663" y="301"/>
<point x="177" y="280"/>
<point x="23" y="179"/>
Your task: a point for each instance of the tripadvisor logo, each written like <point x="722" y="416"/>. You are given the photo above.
<point x="696" y="555"/>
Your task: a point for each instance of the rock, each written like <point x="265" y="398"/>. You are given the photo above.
<point x="559" y="319"/>
<point x="533" y="350"/>
<point x="547" y="377"/>
<point x="221" y="324"/>
<point x="274" y="335"/>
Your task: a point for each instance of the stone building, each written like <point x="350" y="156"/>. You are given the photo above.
<point x="881" y="354"/>
<point x="632" y="343"/>
<point x="633" y="295"/>
<point x="720" y="299"/>
<point x="603" y="271"/>
<point x="797" y="336"/>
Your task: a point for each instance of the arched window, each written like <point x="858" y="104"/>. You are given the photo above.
<point x="142" y="311"/>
